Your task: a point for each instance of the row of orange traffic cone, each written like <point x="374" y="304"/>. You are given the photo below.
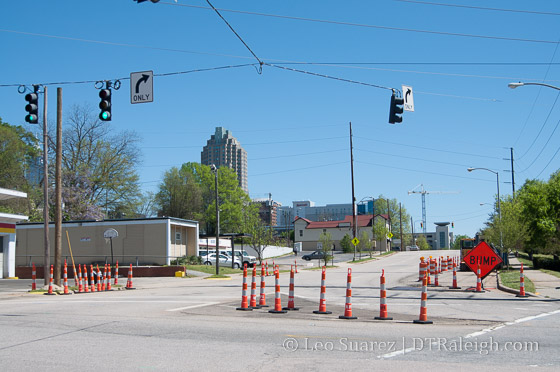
<point x="247" y="305"/>
<point x="103" y="282"/>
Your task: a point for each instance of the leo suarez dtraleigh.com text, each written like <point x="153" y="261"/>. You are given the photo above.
<point x="432" y="344"/>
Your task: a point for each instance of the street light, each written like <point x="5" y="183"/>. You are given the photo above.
<point x="499" y="204"/>
<point x="520" y="84"/>
<point x="214" y="169"/>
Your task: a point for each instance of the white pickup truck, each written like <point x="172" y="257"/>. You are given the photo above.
<point x="244" y="257"/>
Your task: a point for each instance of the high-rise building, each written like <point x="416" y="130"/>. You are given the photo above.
<point x="222" y="149"/>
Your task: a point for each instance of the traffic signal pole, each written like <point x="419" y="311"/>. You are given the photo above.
<point x="47" y="256"/>
<point x="58" y="190"/>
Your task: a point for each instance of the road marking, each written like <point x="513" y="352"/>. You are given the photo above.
<point x="476" y="334"/>
<point x="193" y="306"/>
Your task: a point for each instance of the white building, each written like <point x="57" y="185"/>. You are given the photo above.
<point x="8" y="235"/>
<point x="308" y="232"/>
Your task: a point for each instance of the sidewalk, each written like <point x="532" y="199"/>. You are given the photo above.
<point x="545" y="284"/>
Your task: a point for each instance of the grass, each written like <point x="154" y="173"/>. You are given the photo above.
<point x="511" y="279"/>
<point x="320" y="268"/>
<point x="551" y="272"/>
<point x="362" y="260"/>
<point x="211" y="269"/>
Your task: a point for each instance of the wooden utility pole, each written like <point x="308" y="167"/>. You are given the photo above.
<point x="400" y="223"/>
<point x="354" y="227"/>
<point x="47" y="256"/>
<point x="58" y="190"/>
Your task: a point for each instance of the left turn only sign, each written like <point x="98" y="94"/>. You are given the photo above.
<point x="142" y="87"/>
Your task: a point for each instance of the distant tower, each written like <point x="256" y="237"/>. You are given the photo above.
<point x="222" y="149"/>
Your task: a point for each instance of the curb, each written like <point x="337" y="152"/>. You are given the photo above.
<point x="511" y="290"/>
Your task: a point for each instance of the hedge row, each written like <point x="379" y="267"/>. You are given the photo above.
<point x="546" y="263"/>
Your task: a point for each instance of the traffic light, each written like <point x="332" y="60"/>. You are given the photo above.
<point x="396" y="109"/>
<point x="32" y="107"/>
<point x="153" y="1"/>
<point x="421" y="225"/>
<point x="452" y="224"/>
<point x="105" y="104"/>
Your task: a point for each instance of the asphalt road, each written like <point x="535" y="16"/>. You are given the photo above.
<point x="188" y="324"/>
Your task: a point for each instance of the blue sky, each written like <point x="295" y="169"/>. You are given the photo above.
<point x="294" y="126"/>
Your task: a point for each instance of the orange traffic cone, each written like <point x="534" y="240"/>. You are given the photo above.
<point x="382" y="299"/>
<point x="291" y="305"/>
<point x="50" y="292"/>
<point x="348" y="305"/>
<point x="479" y="281"/>
<point x="86" y="288"/>
<point x="423" y="305"/>
<point x="322" y="301"/>
<point x="66" y="292"/>
<point x="33" y="279"/>
<point x="253" y="303"/>
<point x="277" y="299"/>
<point x="92" y="278"/>
<point x="244" y="302"/>
<point x="262" y="301"/>
<point x="117" y="273"/>
<point x="129" y="281"/>
<point x="454" y="277"/>
<point x="108" y="288"/>
<point x="521" y="283"/>
<point x="80" y="281"/>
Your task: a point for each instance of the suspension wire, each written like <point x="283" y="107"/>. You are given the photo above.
<point x="374" y="26"/>
<point x="543" y="147"/>
<point x="128" y="77"/>
<point x="540" y="131"/>
<point x="479" y="7"/>
<point x="550" y="161"/>
<point x="236" y="34"/>
<point x="535" y="103"/>
<point x="328" y="76"/>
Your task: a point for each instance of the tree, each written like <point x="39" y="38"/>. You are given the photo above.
<point x="511" y="228"/>
<point x="380" y="230"/>
<point x="326" y="246"/>
<point x="422" y="243"/>
<point x="260" y="235"/>
<point x="365" y="243"/>
<point x="457" y="242"/>
<point x="393" y="211"/>
<point x="180" y="194"/>
<point x="346" y="244"/>
<point x="109" y="161"/>
<point x="232" y="198"/>
<point x="18" y="148"/>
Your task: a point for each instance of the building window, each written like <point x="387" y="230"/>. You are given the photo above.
<point x="300" y="233"/>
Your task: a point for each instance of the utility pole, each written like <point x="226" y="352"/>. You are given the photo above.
<point x="400" y="223"/>
<point x="390" y="224"/>
<point x="58" y="190"/>
<point x="512" y="174"/>
<point x="353" y="197"/>
<point x="47" y="256"/>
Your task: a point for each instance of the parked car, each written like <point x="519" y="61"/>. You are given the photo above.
<point x="316" y="255"/>
<point x="412" y="248"/>
<point x="224" y="260"/>
<point x="245" y="258"/>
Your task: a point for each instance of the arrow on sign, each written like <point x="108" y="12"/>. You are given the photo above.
<point x="143" y="79"/>
<point x="408" y="91"/>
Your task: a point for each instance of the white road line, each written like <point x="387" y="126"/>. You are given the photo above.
<point x="193" y="306"/>
<point x="476" y="334"/>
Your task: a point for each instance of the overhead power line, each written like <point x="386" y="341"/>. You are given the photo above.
<point x="444" y="33"/>
<point x="431" y="149"/>
<point x="479" y="7"/>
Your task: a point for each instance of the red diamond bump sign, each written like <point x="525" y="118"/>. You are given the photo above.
<point x="484" y="256"/>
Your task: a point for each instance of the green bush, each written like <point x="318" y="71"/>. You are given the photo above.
<point x="187" y="260"/>
<point x="546" y="263"/>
